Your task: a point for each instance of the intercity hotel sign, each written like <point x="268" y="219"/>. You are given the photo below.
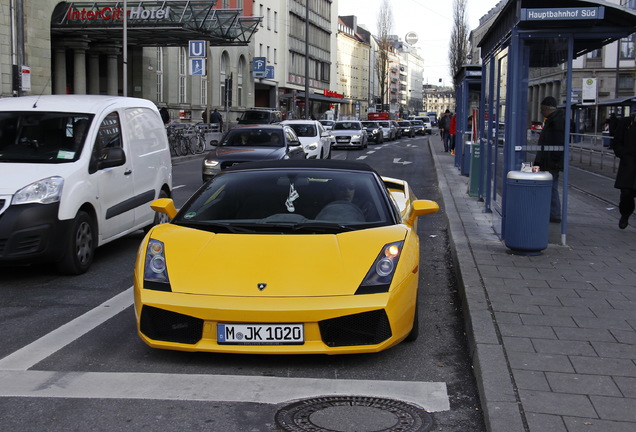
<point x="563" y="14"/>
<point x="98" y="13"/>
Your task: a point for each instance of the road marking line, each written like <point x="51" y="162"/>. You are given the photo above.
<point x="431" y="396"/>
<point x="54" y="341"/>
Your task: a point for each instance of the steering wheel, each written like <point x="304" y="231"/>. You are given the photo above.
<point x="341" y="211"/>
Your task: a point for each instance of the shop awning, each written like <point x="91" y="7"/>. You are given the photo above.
<point x="153" y="23"/>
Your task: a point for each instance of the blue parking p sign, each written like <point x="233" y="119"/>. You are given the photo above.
<point x="196" y="48"/>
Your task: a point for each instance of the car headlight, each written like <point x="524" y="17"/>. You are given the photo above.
<point x="380" y="275"/>
<point x="356" y="137"/>
<point x="45" y="191"/>
<point x="155" y="268"/>
<point x="312" y="146"/>
<point x="210" y="163"/>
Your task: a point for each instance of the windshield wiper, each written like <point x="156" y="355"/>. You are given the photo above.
<point x="324" y="227"/>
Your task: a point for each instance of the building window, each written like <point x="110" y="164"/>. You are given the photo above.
<point x="275" y="21"/>
<point x="159" y="71"/>
<point x="627" y="48"/>
<point x="239" y="82"/>
<point x="626" y="82"/>
<point x="596" y="54"/>
<point x="183" y="75"/>
<point x="269" y="19"/>
<point x="260" y="13"/>
<point x="204" y="90"/>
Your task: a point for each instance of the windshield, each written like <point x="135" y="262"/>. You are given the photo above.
<point x="370" y="124"/>
<point x="255" y="116"/>
<point x="254" y="138"/>
<point x="404" y="123"/>
<point x="347" y="126"/>
<point x="384" y="124"/>
<point x="42" y="137"/>
<point x="304" y="130"/>
<point x="294" y="201"/>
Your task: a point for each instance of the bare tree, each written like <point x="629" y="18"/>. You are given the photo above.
<point x="385" y="27"/>
<point x="458" y="46"/>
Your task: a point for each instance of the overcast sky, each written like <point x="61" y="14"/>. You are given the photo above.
<point x="431" y="20"/>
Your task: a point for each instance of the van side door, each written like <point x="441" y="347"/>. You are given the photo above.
<point x="146" y="137"/>
<point x="110" y="172"/>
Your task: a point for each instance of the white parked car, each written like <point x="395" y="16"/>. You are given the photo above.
<point x="350" y="133"/>
<point x="316" y="141"/>
<point x="78" y="171"/>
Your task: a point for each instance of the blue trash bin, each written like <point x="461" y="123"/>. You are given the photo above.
<point x="527" y="222"/>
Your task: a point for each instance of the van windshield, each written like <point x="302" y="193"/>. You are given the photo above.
<point x="43" y="137"/>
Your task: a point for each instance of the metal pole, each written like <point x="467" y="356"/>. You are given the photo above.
<point x="306" y="59"/>
<point x="125" y="51"/>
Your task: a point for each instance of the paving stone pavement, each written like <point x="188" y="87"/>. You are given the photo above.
<point x="553" y="336"/>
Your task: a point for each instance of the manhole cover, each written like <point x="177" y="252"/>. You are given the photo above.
<point x="353" y="414"/>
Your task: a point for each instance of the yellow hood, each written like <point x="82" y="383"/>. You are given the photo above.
<point x="201" y="262"/>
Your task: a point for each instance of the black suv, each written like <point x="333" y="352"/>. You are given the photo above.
<point x="260" y="116"/>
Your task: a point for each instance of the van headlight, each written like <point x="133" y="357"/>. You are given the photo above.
<point x="45" y="191"/>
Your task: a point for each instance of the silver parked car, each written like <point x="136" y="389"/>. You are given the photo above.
<point x="349" y="133"/>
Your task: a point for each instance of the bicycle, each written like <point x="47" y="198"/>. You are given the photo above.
<point x="177" y="140"/>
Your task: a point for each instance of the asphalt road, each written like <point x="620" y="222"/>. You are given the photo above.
<point x="71" y="359"/>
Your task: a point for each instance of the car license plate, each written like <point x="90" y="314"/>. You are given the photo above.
<point x="343" y="139"/>
<point x="260" y="334"/>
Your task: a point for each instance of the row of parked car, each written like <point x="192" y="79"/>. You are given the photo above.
<point x="266" y="137"/>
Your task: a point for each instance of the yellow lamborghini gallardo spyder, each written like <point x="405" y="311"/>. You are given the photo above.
<point x="283" y="257"/>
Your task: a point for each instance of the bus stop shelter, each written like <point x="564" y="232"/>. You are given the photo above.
<point x="529" y="36"/>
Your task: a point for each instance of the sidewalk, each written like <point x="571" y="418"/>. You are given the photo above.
<point x="553" y="336"/>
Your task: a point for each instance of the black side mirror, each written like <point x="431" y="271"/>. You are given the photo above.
<point x="111" y="157"/>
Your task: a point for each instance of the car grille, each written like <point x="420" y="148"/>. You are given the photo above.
<point x="367" y="328"/>
<point x="227" y="164"/>
<point x="167" y="326"/>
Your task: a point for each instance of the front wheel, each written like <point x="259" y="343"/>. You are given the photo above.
<point x="81" y="245"/>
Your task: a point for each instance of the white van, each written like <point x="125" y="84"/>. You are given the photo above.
<point x="76" y="172"/>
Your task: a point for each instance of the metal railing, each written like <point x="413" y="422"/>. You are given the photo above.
<point x="593" y="151"/>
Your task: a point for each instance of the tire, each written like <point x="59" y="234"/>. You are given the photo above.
<point x="415" y="331"/>
<point x="80" y="247"/>
<point x="160" y="218"/>
<point x="184" y="145"/>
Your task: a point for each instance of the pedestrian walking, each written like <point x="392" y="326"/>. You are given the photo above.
<point x="550" y="155"/>
<point x="444" y="129"/>
<point x="165" y="115"/>
<point x="625" y="150"/>
<point x="453" y="131"/>
<point x="217" y="118"/>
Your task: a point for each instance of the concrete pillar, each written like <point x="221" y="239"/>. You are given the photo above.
<point x="93" y="72"/>
<point x="79" y="71"/>
<point x="112" y="78"/>
<point x="59" y="86"/>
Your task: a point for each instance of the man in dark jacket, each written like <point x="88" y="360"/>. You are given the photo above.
<point x="550" y="156"/>
<point x="625" y="149"/>
<point x="444" y="129"/>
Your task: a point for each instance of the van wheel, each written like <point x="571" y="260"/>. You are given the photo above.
<point x="81" y="245"/>
<point x="160" y="218"/>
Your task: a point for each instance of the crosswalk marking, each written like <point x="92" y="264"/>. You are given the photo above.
<point x="431" y="396"/>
